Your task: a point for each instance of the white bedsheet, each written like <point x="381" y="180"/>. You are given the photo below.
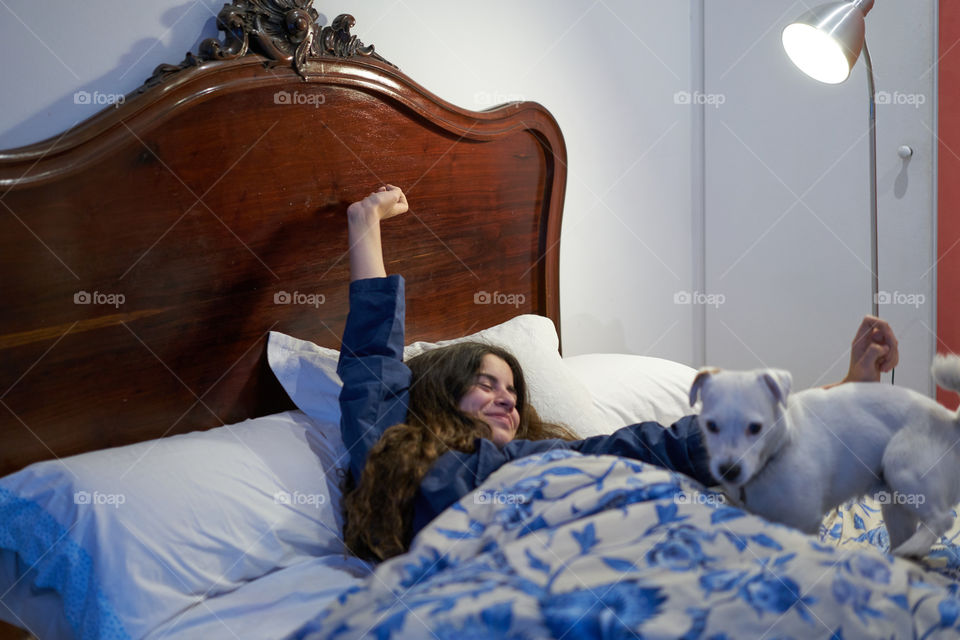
<point x="272" y="606"/>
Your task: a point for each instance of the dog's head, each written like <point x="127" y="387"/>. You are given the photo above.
<point x="741" y="419"/>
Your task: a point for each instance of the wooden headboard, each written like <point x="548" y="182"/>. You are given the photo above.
<point x="146" y="252"/>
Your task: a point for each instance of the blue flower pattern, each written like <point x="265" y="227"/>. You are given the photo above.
<point x="603" y="547"/>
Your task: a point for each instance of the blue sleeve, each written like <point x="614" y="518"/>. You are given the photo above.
<point x="455" y="474"/>
<point x="376" y="382"/>
<point x="679" y="448"/>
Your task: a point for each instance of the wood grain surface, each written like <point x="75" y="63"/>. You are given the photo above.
<point x="146" y="253"/>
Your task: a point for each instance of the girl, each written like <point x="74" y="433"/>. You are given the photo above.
<point x="423" y="434"/>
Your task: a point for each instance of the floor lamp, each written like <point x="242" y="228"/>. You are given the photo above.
<point x="825" y="43"/>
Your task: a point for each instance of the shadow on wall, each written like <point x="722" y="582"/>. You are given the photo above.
<point x="132" y="69"/>
<point x="607" y="336"/>
<point x="902" y="180"/>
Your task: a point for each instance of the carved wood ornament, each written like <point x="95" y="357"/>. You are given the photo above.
<point x="280" y="30"/>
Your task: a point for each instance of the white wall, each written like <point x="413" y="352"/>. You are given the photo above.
<point x="608" y="72"/>
<point x="614" y="73"/>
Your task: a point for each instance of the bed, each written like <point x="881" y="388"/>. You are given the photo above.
<point x="175" y="286"/>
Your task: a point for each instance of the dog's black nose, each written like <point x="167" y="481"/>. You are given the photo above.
<point x="729" y="471"/>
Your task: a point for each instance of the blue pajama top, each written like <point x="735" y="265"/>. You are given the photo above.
<point x="375" y="395"/>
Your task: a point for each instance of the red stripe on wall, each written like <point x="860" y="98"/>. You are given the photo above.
<point x="948" y="214"/>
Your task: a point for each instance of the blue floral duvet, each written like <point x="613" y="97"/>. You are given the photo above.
<point x="568" y="546"/>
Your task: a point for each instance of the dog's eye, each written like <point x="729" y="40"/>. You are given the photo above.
<point x="712" y="426"/>
<point x="754" y="428"/>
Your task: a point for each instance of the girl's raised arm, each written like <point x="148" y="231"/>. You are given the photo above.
<point x="363" y="223"/>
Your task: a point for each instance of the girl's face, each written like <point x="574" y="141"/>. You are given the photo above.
<point x="493" y="399"/>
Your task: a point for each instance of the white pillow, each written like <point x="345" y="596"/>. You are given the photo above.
<point x="115" y="542"/>
<point x="308" y="372"/>
<point x="628" y="389"/>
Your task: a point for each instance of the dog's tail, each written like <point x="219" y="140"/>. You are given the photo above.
<point x="946" y="372"/>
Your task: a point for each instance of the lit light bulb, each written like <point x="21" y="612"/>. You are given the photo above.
<point x="816" y="53"/>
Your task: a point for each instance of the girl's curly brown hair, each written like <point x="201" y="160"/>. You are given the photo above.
<point x="378" y="510"/>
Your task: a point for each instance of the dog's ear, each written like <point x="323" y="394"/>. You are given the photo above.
<point x="779" y="382"/>
<point x="702" y="376"/>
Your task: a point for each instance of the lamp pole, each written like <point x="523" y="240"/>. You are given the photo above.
<point x="874" y="261"/>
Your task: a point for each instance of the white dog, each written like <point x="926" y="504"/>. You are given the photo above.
<point x="794" y="459"/>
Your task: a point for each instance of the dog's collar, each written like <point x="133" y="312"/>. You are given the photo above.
<point x="743" y="487"/>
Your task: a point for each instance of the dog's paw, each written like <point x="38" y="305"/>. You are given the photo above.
<point x="917" y="545"/>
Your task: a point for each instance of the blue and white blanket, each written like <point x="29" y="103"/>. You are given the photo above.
<point x="568" y="546"/>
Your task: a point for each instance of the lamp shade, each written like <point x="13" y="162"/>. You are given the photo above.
<point x="825" y="42"/>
